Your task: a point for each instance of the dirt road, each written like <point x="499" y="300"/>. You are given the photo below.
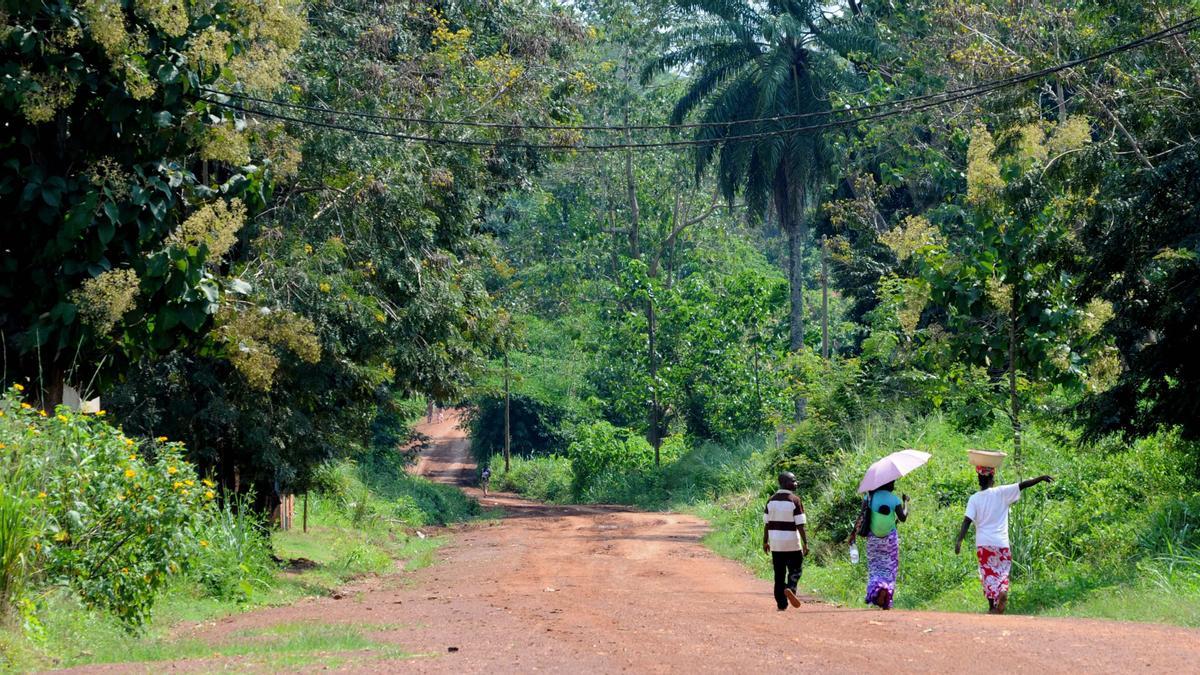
<point x="581" y="589"/>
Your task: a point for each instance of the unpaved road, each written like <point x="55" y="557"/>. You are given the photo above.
<point x="580" y="589"/>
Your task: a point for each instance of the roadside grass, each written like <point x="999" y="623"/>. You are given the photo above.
<point x="285" y="645"/>
<point x="351" y="533"/>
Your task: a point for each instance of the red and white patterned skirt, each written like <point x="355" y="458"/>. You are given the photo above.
<point x="995" y="564"/>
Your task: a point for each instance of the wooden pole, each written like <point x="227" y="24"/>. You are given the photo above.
<point x="304" y="518"/>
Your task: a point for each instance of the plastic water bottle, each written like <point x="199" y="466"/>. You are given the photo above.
<point x="853" y="554"/>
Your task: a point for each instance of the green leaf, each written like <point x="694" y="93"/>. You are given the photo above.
<point x="113" y="212"/>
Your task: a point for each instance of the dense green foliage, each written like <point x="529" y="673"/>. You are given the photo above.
<point x="85" y="508"/>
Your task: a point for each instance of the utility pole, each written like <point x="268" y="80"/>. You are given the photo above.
<point x="825" y="298"/>
<point x="507" y="408"/>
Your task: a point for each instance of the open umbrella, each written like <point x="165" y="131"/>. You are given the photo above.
<point x="892" y="467"/>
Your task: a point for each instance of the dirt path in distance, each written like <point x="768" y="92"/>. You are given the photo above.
<point x="606" y="590"/>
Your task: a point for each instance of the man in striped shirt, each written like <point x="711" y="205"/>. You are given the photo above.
<point x="785" y="539"/>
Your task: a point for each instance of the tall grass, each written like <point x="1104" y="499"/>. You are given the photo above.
<point x="235" y="559"/>
<point x="15" y="542"/>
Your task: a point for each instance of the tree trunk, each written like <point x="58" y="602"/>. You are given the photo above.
<point x="1014" y="401"/>
<point x="825" y="299"/>
<point x="795" y="236"/>
<point x="654" y="433"/>
<point x="635" y="214"/>
<point x="507" y="423"/>
<point x="757" y="387"/>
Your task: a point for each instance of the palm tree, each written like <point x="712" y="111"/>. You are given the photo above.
<point x="751" y="64"/>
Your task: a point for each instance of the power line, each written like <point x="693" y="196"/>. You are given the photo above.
<point x="604" y="146"/>
<point x="1182" y="27"/>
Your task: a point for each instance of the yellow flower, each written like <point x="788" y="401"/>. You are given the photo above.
<point x="18" y="387"/>
<point x="161" y="439"/>
<point x="380" y="318"/>
<point x="61" y="418"/>
<point x="121" y="497"/>
<point x="177" y="485"/>
<point x="62" y="536"/>
<point x="189" y="483"/>
<point x="203" y="542"/>
<point x="208" y="483"/>
<point x="172" y="470"/>
<point x="308" y="249"/>
<point x="3" y="446"/>
<point x="41" y="495"/>
<point x="26" y="406"/>
<point x="43" y="413"/>
<point x="133" y="458"/>
<point x="325" y="287"/>
<point x="210" y="495"/>
<point x="130" y="473"/>
<point x="101" y="413"/>
<point x="128" y="441"/>
<point x="183" y="493"/>
<point x="1" y="413"/>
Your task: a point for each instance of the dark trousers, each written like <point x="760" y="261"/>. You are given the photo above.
<point x="788" y="567"/>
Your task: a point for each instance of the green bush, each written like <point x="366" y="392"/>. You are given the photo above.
<point x="602" y="453"/>
<point x="547" y="478"/>
<point x="109" y="520"/>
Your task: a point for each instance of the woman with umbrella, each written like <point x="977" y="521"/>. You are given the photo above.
<point x="877" y="519"/>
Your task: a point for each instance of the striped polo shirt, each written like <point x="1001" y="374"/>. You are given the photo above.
<point x="783" y="516"/>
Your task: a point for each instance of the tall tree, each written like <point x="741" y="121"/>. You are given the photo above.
<point x="758" y="66"/>
<point x="115" y="226"/>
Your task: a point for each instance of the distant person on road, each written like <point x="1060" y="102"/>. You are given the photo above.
<point x="484" y="479"/>
<point x="877" y="519"/>
<point x="785" y="539"/>
<point x="429" y="410"/>
<point x="988" y="510"/>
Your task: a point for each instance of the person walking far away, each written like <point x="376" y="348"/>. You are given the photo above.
<point x="988" y="510"/>
<point x="877" y="519"/>
<point x="785" y="539"/>
<point x="484" y="479"/>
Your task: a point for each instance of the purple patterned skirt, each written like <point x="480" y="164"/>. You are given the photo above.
<point x="883" y="561"/>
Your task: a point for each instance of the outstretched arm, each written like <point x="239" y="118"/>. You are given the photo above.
<point x="1034" y="481"/>
<point x="766" y="541"/>
<point x="962" y="533"/>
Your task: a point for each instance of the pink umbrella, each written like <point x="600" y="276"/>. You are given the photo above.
<point x="892" y="467"/>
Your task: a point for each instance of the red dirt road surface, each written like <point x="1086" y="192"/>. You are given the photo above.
<point x="606" y="590"/>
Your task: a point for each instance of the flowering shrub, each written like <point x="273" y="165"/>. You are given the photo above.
<point x="108" y="519"/>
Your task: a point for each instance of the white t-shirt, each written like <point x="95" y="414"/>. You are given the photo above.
<point x="988" y="509"/>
